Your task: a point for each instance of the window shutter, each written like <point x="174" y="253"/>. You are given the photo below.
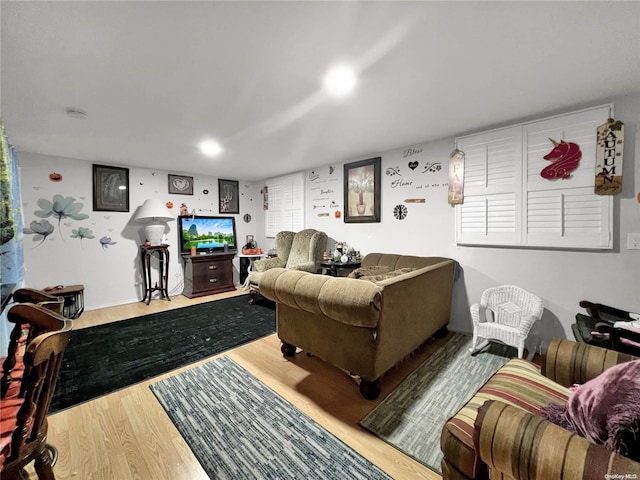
<point x="566" y="213"/>
<point x="286" y="205"/>
<point x="493" y="163"/>
<point x="507" y="202"/>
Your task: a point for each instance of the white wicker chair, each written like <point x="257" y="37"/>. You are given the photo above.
<point x="506" y="314"/>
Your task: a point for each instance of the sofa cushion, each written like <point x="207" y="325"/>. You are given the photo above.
<point x="517" y="383"/>
<point x="385" y="276"/>
<point x="605" y="410"/>
<point x="370" y="270"/>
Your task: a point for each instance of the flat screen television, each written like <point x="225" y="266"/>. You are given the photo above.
<point x="208" y="234"/>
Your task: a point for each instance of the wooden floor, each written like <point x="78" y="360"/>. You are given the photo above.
<point x="127" y="435"/>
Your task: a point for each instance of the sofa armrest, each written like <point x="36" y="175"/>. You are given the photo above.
<point x="519" y="444"/>
<point x="567" y="362"/>
<point x="347" y="300"/>
<point x="310" y="267"/>
<point x="264" y="264"/>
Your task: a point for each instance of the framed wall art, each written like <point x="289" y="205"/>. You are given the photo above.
<point x="110" y="188"/>
<point x="180" y="184"/>
<point x="362" y="191"/>
<point x="228" y="200"/>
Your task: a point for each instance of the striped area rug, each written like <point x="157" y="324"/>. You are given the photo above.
<point x="412" y="416"/>
<point x="238" y="428"/>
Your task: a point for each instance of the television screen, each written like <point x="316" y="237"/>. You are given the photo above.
<point x="207" y="234"/>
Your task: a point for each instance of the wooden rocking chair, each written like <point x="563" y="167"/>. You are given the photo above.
<point x="29" y="389"/>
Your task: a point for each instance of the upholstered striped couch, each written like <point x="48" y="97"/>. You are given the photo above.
<point x="500" y="434"/>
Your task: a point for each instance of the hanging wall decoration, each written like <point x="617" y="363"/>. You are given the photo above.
<point x="456" y="177"/>
<point x="609" y="146"/>
<point x="564" y="159"/>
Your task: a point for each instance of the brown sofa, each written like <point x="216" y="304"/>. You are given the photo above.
<point x="363" y="326"/>
<point x="501" y="434"/>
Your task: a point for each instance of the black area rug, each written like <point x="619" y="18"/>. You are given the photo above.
<point x="102" y="359"/>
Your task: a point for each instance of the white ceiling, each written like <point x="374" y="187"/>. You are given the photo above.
<point x="155" y="78"/>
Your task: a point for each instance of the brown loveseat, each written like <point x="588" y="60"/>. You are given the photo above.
<point x="501" y="434"/>
<point x="364" y="326"/>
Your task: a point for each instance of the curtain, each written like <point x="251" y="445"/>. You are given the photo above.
<point x="11" y="244"/>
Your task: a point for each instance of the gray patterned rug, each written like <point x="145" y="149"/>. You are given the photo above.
<point x="412" y="416"/>
<point x="238" y="428"/>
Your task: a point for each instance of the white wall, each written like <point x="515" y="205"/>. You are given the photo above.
<point x="561" y="277"/>
<point x="111" y="275"/>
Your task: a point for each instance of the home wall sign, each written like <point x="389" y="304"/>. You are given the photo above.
<point x="565" y="158"/>
<point x="609" y="147"/>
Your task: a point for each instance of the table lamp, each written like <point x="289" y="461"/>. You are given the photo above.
<point x="155" y="216"/>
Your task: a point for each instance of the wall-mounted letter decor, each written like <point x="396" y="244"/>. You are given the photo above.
<point x="609" y="147"/>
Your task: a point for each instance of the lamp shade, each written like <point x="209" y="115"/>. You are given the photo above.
<point x="155" y="216"/>
<point x="153" y="209"/>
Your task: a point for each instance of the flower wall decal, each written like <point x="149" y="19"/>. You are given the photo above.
<point x="61" y="207"/>
<point x="105" y="242"/>
<point x="41" y="229"/>
<point x="82" y="232"/>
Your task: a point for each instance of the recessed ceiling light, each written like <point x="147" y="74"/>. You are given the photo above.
<point x="340" y="80"/>
<point x="210" y="148"/>
<point x="77" y="114"/>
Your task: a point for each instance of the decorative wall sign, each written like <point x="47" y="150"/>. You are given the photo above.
<point x="415" y="200"/>
<point x="181" y="185"/>
<point x="609" y="146"/>
<point x="110" y="188"/>
<point x="456" y="177"/>
<point x="565" y="158"/>
<point x="362" y="191"/>
<point x="228" y="198"/>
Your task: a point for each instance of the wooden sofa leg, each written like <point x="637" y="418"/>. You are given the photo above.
<point x="287" y="349"/>
<point x="441" y="333"/>
<point x="370" y="390"/>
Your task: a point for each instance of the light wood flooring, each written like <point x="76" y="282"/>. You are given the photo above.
<point x="127" y="435"/>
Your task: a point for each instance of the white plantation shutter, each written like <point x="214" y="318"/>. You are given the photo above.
<point x="508" y="203"/>
<point x="286" y="204"/>
<point x="492" y="167"/>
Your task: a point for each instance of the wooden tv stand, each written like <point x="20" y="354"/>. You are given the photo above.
<point x="207" y="274"/>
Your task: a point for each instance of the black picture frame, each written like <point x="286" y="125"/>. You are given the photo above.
<point x="110" y="188"/>
<point x="180" y="184"/>
<point x="362" y="191"/>
<point x="228" y="196"/>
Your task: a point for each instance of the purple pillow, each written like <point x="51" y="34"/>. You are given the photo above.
<point x="605" y="410"/>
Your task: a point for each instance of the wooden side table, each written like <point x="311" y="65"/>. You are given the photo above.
<point x="146" y="253"/>
<point x="73" y="296"/>
<point x="339" y="269"/>
<point x="246" y="266"/>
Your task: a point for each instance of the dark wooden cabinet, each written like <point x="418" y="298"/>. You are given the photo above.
<point x="207" y="274"/>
